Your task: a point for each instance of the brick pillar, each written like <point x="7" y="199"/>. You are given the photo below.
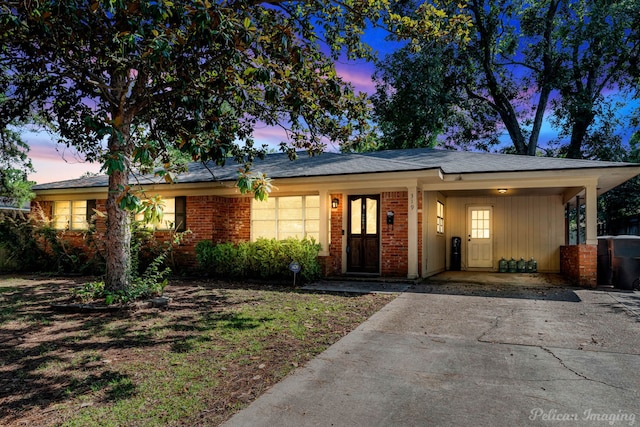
<point x="332" y="264"/>
<point x="579" y="263"/>
<point x="393" y="238"/>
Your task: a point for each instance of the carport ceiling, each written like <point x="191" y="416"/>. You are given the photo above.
<point x="511" y="192"/>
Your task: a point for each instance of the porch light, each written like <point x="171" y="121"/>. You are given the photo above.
<point x="335" y="203"/>
<point x="502" y="190"/>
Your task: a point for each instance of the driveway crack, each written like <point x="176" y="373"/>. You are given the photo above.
<point x="564" y="365"/>
<point x="494" y="325"/>
<point x="492" y="328"/>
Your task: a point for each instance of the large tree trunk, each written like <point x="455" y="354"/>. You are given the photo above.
<point x="511" y="123"/>
<point x="549" y="70"/>
<point x="537" y="121"/>
<point x="501" y="103"/>
<point x="579" y="132"/>
<point x="118" y="234"/>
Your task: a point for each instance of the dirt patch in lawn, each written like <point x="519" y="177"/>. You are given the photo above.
<point x="215" y="348"/>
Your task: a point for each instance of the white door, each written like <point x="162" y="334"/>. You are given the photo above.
<point x="480" y="237"/>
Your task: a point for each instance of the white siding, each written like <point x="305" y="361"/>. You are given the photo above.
<point x="435" y="244"/>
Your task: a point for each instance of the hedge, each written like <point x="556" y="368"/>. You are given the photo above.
<point x="264" y="259"/>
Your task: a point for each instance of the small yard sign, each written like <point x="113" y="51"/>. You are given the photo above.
<point x="295" y="267"/>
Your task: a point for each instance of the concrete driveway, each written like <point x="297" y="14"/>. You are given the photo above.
<point x="460" y="354"/>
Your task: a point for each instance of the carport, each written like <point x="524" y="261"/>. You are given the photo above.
<point x="495" y="278"/>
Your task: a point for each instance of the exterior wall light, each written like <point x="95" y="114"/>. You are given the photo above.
<point x="502" y="190"/>
<point x="335" y="203"/>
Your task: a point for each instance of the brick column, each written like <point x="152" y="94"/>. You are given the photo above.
<point x="332" y="264"/>
<point x="413" y="234"/>
<point x="579" y="264"/>
<point x="394" y="238"/>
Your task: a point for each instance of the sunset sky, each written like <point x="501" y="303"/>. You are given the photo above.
<point x="54" y="162"/>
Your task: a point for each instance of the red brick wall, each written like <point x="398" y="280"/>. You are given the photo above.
<point x="238" y="219"/>
<point x="42" y="212"/>
<point x="332" y="264"/>
<point x="222" y="219"/>
<point x="393" y="238"/>
<point x="393" y="241"/>
<point x="215" y="218"/>
<point x="200" y="211"/>
<point x="579" y="264"/>
<point x="219" y="219"/>
<point x="100" y="218"/>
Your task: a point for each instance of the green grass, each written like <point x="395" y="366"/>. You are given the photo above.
<point x="210" y="353"/>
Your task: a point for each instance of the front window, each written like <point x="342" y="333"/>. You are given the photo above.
<point x="73" y="214"/>
<point x="173" y="215"/>
<point x="286" y="217"/>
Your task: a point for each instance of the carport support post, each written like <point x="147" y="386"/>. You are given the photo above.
<point x="578" y="220"/>
<point x="412" y="238"/>
<point x="591" y="214"/>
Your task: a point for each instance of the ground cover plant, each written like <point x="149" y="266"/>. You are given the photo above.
<point x="211" y="351"/>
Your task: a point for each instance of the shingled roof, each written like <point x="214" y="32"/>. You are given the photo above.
<point x="8" y="204"/>
<point x="332" y="164"/>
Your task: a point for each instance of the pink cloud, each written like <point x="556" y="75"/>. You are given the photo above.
<point x="56" y="162"/>
<point x="270" y="135"/>
<point x="53" y="161"/>
<point x="359" y="75"/>
<point x="59" y="170"/>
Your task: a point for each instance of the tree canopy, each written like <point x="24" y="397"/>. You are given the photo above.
<point x="526" y="62"/>
<point x="14" y="167"/>
<point x="125" y="82"/>
<point x="14" y="160"/>
<point x="412" y="100"/>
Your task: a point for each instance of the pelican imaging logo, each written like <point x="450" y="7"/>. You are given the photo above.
<point x="610" y="418"/>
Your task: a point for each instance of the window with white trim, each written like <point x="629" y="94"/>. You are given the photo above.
<point x="481" y="224"/>
<point x="284" y="217"/>
<point x="73" y="214"/>
<point x="440" y="218"/>
<point x="173" y="215"/>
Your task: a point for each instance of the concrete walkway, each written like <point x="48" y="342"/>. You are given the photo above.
<point x="460" y="354"/>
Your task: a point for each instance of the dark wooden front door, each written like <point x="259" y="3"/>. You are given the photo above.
<point x="363" y="234"/>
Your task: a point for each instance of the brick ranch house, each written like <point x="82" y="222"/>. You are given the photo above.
<point x="389" y="213"/>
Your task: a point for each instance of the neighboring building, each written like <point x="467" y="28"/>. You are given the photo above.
<point x="628" y="225"/>
<point x="388" y="213"/>
<point x="9" y="205"/>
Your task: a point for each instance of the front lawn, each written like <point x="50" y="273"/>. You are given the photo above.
<point x="212" y="351"/>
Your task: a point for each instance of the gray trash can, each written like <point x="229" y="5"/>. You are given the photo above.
<point x="627" y="269"/>
<point x="625" y="260"/>
<point x="605" y="271"/>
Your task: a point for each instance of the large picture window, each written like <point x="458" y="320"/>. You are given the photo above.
<point x="284" y="217"/>
<point x="73" y="214"/>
